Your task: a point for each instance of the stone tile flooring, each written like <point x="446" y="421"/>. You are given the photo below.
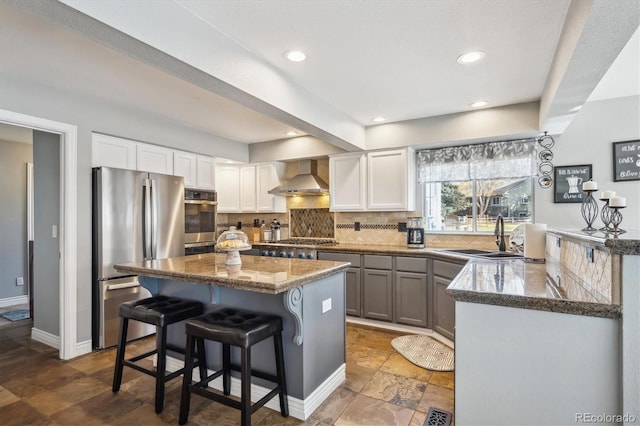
<point x="36" y="388"/>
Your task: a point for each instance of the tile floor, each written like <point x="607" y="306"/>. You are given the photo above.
<point x="36" y="388"/>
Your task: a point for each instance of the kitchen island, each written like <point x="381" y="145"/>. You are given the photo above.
<point x="307" y="294"/>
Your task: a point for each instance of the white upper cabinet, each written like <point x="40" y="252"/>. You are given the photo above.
<point x="228" y="188"/>
<point x="205" y="172"/>
<point x="184" y="164"/>
<point x="270" y="175"/>
<point x="348" y="182"/>
<point x="109" y="151"/>
<point x="153" y="158"/>
<point x="391" y="180"/>
<point x="248" y="199"/>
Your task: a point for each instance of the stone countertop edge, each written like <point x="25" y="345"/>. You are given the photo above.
<point x="627" y="243"/>
<point x="230" y="282"/>
<point x="393" y="251"/>
<point x="548" y="304"/>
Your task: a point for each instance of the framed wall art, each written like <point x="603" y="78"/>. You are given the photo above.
<point x="567" y="183"/>
<point x="626" y="160"/>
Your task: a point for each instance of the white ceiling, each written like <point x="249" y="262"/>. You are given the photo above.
<point x="227" y="75"/>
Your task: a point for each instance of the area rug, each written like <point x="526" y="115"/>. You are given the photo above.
<point x="424" y="352"/>
<point x="17" y="315"/>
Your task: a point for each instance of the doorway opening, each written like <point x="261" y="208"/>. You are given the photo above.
<point x="68" y="339"/>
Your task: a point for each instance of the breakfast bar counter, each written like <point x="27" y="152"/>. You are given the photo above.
<point x="309" y="295"/>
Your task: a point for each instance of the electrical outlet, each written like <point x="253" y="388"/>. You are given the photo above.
<point x="356" y="226"/>
<point x="326" y="305"/>
<point x="589" y="255"/>
<point x="402" y="226"/>
<point x="54" y="231"/>
<point x="19" y="281"/>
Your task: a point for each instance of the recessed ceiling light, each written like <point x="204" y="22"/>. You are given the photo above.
<point x="478" y="104"/>
<point x="292" y="133"/>
<point x="295" y="55"/>
<point x="470" y="57"/>
<point x="574" y="109"/>
<point x="379" y="119"/>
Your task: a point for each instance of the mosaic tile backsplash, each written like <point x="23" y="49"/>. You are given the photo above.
<point x="316" y="223"/>
<point x="600" y="277"/>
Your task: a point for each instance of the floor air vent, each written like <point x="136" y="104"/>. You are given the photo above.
<point x="437" y="417"/>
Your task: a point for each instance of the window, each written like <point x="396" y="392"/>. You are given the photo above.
<point x="466" y="188"/>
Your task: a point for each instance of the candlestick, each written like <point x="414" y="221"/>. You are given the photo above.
<point x="605" y="215"/>
<point x="617" y="201"/>
<point x="606" y="195"/>
<point x="590" y="186"/>
<point x="616" y="219"/>
<point x="589" y="209"/>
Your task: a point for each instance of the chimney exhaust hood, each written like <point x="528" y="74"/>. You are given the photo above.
<point x="306" y="182"/>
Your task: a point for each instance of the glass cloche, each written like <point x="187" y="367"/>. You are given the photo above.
<point x="231" y="242"/>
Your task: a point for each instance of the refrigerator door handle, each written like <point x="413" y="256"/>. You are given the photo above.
<point x="154" y="218"/>
<point x="146" y="228"/>
<point x="111" y="287"/>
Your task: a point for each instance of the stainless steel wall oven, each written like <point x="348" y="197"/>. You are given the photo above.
<point x="200" y="210"/>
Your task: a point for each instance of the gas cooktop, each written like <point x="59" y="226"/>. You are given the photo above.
<point x="299" y="242"/>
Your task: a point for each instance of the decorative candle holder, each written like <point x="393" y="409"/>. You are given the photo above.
<point x="605" y="215"/>
<point x="616" y="220"/>
<point x="589" y="210"/>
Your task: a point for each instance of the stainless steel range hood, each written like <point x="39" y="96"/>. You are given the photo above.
<point x="306" y="182"/>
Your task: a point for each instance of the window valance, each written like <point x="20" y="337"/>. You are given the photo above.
<point x="492" y="160"/>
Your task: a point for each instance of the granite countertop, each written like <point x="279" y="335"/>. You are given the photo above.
<point x="257" y="273"/>
<point x="518" y="284"/>
<point x="627" y="243"/>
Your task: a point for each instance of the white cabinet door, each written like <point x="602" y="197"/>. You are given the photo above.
<point x="248" y="201"/>
<point x="391" y="180"/>
<point x="348" y="182"/>
<point x="153" y="158"/>
<point x="205" y="172"/>
<point x="269" y="176"/>
<point x="184" y="164"/>
<point x="109" y="151"/>
<point x="228" y="188"/>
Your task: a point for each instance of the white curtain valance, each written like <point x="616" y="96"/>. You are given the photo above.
<point x="492" y="160"/>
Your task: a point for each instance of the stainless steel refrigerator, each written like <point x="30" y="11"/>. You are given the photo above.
<point x="137" y="216"/>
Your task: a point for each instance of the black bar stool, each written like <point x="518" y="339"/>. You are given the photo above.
<point x="241" y="328"/>
<point x="160" y="311"/>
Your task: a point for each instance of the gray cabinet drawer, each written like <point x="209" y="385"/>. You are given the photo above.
<point x="446" y="269"/>
<point x="411" y="264"/>
<point x="340" y="257"/>
<point x="372" y="261"/>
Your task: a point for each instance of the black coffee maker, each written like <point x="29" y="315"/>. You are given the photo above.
<point x="415" y="233"/>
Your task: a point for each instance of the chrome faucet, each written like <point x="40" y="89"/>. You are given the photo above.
<point x="499" y="233"/>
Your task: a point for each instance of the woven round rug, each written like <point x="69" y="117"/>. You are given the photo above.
<point x="424" y="352"/>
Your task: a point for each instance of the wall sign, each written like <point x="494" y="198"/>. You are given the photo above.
<point x="568" y="183"/>
<point x="626" y="160"/>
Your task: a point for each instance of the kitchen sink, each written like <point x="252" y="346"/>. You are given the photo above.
<point x="487" y="254"/>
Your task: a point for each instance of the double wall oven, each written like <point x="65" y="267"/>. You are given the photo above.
<point x="200" y="209"/>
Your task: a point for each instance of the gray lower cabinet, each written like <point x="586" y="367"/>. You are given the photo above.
<point x="353" y="284"/>
<point x="377" y="287"/>
<point x="411" y="300"/>
<point x="443" y="305"/>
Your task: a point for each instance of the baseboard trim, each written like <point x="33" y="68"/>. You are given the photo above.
<point x="401" y="327"/>
<point x="46" y="338"/>
<point x="11" y="301"/>
<point x="298" y="408"/>
<point x="83" y="348"/>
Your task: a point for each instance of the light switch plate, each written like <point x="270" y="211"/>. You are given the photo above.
<point x="326" y="305"/>
<point x="20" y="281"/>
<point x="54" y="231"/>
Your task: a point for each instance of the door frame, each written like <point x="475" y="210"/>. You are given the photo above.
<point x="68" y="214"/>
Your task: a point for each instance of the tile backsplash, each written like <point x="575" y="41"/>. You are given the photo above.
<point x="316" y="223"/>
